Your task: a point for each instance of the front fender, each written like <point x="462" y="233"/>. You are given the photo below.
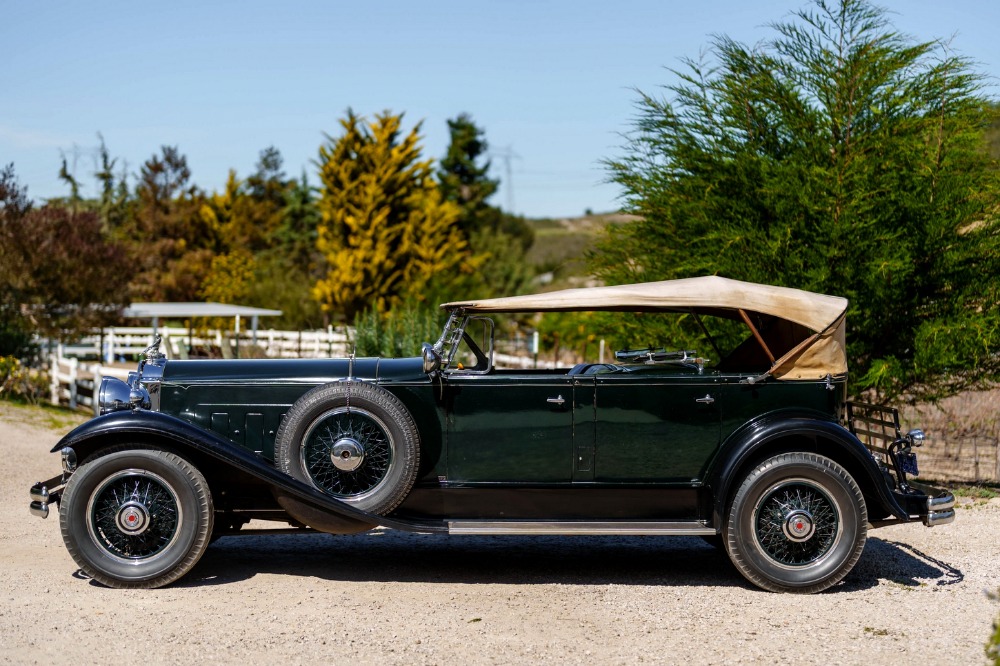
<point x="764" y="438"/>
<point x="299" y="499"/>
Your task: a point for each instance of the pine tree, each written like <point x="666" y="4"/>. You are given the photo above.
<point x="838" y="157"/>
<point x="385" y="231"/>
<point x="463" y="178"/>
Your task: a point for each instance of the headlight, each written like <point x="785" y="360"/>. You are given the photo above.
<point x="114" y="395"/>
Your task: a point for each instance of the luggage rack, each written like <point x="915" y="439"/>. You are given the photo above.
<point x="877" y="428"/>
<point x="651" y="356"/>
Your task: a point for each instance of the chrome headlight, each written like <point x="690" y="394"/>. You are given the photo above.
<point x="114" y="395"/>
<point x="432" y="360"/>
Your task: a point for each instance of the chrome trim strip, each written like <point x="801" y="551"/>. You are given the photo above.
<point x="580" y="527"/>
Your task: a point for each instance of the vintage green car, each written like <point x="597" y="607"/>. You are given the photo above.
<point x="758" y="452"/>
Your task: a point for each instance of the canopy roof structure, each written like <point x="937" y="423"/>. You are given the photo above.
<point x="157" y="311"/>
<point x="186" y="310"/>
<point x="813" y="347"/>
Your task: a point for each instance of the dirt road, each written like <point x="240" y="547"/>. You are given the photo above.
<point x="917" y="595"/>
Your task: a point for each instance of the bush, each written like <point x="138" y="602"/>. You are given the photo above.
<point x="19" y="382"/>
<point x="397" y="333"/>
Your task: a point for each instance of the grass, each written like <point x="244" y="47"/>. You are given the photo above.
<point x="985" y="491"/>
<point x="41" y="415"/>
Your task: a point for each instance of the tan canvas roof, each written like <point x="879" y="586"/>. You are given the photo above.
<point x="818" y="355"/>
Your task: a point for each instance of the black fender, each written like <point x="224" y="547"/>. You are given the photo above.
<point x="300" y="500"/>
<point x="763" y="437"/>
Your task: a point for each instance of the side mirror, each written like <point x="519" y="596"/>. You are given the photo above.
<point x="432" y="360"/>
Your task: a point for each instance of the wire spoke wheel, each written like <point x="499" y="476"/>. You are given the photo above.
<point x="134" y="515"/>
<point x="797" y="523"/>
<point x="347" y="452"/>
<point x="354" y="441"/>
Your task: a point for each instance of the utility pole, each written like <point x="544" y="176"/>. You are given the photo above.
<point x="507" y="154"/>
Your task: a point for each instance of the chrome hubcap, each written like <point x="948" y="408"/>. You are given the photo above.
<point x="798" y="526"/>
<point x="132" y="518"/>
<point x="347" y="454"/>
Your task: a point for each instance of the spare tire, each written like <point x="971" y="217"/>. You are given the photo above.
<point x="354" y="441"/>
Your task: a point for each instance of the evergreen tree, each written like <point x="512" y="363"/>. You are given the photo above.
<point x="838" y="157"/>
<point x="386" y="232"/>
<point x="463" y="178"/>
<point x="500" y="240"/>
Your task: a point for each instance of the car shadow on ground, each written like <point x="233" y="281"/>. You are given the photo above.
<point x="390" y="556"/>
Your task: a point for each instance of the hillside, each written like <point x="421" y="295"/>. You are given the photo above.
<point x="559" y="251"/>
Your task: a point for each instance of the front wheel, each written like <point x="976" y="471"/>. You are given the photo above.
<point x="136" y="518"/>
<point x="797" y="523"/>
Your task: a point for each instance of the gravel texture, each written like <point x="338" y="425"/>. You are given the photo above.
<point x="917" y="595"/>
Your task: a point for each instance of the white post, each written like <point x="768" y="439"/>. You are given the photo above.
<point x="54" y="379"/>
<point x="600" y="358"/>
<point x="73" y="365"/>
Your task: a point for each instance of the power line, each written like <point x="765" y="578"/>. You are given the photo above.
<point x="507" y="154"/>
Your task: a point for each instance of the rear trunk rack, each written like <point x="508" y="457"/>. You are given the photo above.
<point x="877" y="427"/>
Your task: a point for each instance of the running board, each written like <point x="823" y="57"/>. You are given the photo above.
<point x="580" y="527"/>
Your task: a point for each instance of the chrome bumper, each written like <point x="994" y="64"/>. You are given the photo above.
<point x="940" y="509"/>
<point x="39" y="500"/>
<point x="44" y="493"/>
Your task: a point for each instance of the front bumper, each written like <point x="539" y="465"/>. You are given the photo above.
<point x="43" y="494"/>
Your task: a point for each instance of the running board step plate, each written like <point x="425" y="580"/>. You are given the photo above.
<point x="579" y="527"/>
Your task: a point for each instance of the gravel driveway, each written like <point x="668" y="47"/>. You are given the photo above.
<point x="917" y="595"/>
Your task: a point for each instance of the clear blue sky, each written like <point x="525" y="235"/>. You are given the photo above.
<point x="551" y="82"/>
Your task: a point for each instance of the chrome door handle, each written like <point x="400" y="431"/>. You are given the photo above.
<point x="556" y="401"/>
<point x="707" y="400"/>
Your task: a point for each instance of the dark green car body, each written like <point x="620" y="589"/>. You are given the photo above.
<point x="653" y="443"/>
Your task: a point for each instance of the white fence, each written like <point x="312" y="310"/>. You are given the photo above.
<point x="76" y="384"/>
<point x="125" y="343"/>
<point x="76" y="370"/>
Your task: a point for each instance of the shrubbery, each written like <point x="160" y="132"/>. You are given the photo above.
<point x="20" y="382"/>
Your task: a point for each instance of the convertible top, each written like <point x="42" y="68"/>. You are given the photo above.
<point x="797" y="354"/>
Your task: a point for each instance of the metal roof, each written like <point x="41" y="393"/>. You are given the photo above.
<point x="185" y="310"/>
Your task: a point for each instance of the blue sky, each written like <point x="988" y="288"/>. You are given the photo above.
<point x="551" y="82"/>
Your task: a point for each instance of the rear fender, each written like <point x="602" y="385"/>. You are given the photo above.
<point x="780" y="434"/>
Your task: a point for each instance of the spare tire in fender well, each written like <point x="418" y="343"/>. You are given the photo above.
<point x="354" y="441"/>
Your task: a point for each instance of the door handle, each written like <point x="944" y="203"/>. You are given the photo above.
<point x="556" y="401"/>
<point x="707" y="400"/>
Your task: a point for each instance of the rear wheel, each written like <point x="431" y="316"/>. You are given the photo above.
<point x="797" y="523"/>
<point x="136" y="518"/>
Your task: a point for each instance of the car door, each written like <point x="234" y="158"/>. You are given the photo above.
<point x="509" y="427"/>
<point x="655" y="425"/>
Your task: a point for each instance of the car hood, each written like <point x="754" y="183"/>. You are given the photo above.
<point x="295" y="370"/>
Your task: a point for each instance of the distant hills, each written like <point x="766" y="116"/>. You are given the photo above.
<point x="559" y="250"/>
